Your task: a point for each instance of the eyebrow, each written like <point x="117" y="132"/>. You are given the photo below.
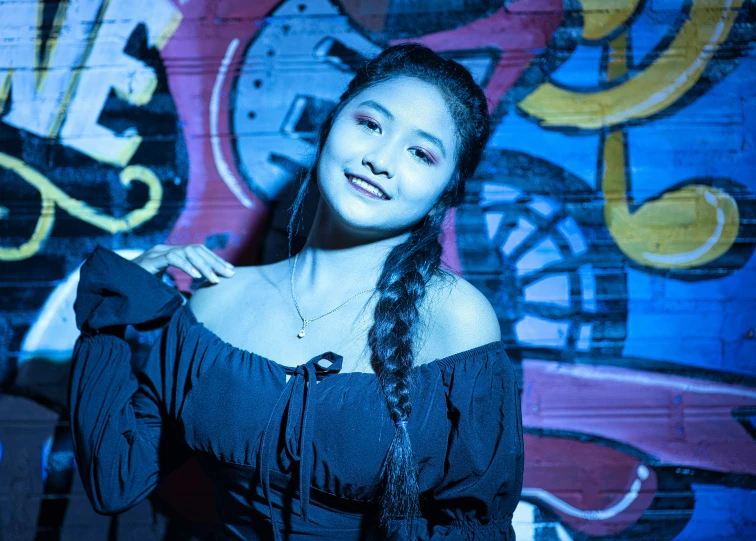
<point x="421" y="133"/>
<point x="433" y="139"/>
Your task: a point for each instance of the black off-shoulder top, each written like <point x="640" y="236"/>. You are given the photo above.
<point x="289" y="459"/>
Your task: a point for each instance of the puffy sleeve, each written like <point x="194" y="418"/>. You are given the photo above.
<point x="117" y="417"/>
<point x="482" y="482"/>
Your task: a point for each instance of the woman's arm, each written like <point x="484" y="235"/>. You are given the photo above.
<point x="116" y="426"/>
<point x="118" y="419"/>
<point x="481" y="487"/>
<point x="482" y="482"/>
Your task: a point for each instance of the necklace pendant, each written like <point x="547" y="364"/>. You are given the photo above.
<point x="301" y="333"/>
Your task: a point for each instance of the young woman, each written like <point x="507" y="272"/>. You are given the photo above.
<point x="354" y="391"/>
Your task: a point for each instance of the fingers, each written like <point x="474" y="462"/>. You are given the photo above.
<point x="180" y="261"/>
<point x="213" y="255"/>
<point x="196" y="260"/>
<point x="203" y="263"/>
<point x="219" y="264"/>
<point x="207" y="263"/>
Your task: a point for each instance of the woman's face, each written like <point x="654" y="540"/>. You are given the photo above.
<point x="390" y="153"/>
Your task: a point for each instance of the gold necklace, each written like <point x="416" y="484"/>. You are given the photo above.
<point x="307" y="321"/>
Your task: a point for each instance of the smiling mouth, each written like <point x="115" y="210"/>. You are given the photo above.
<point x="366" y="186"/>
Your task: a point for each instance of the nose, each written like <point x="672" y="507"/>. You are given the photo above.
<point x="379" y="160"/>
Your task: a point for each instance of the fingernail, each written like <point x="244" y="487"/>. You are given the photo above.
<point x="214" y="278"/>
<point x="196" y="274"/>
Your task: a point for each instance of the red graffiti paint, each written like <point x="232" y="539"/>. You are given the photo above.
<point x="219" y="35"/>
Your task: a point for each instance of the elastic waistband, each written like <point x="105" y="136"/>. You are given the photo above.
<point x="289" y="487"/>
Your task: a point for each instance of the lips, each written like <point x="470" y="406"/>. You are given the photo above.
<point x="368" y="185"/>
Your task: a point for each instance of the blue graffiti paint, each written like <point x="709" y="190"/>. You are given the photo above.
<point x="708" y="327"/>
<point x="576" y="155"/>
<point x="54" y="461"/>
<point x="581" y="69"/>
<point x="721" y="513"/>
<point x="656" y="21"/>
<point x="44" y="454"/>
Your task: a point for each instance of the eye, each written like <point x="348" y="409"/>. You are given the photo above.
<point x="368" y="123"/>
<point x="423" y="156"/>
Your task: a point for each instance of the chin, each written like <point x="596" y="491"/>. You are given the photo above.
<point x="350" y="210"/>
<point x="360" y="220"/>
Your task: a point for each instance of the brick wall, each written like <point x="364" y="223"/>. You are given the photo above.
<point x="611" y="224"/>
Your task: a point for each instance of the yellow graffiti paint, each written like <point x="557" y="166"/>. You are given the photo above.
<point x="675" y="71"/>
<point x="41" y="65"/>
<point x="145" y="95"/>
<point x="683" y="228"/>
<point x="165" y="34"/>
<point x="59" y="89"/>
<point x="43" y="69"/>
<point x="77" y="71"/>
<point x="616" y="65"/>
<point x="137" y="98"/>
<point x="51" y="195"/>
<point x="5" y="84"/>
<point x="46" y="218"/>
<point x="602" y="17"/>
<point x="132" y="80"/>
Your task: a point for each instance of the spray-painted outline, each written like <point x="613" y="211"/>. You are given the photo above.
<point x="220" y="164"/>
<point x="692" y="255"/>
<point x="627" y="376"/>
<point x="603" y="514"/>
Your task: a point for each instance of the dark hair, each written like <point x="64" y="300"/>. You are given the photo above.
<point x="410" y="265"/>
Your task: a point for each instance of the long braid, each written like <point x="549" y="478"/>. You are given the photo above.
<point x="402" y="287"/>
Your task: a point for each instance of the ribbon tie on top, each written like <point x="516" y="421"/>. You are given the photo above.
<point x="298" y="397"/>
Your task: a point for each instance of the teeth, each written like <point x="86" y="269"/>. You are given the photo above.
<point x="367" y="186"/>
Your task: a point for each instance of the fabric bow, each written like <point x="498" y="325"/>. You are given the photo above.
<point x="297" y="396"/>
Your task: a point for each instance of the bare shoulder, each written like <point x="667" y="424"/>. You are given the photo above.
<point x="210" y="300"/>
<point x="462" y="316"/>
<point x="207" y="299"/>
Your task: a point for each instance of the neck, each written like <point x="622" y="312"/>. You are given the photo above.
<point x="335" y="258"/>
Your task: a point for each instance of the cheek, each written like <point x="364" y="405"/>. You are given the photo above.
<point x="332" y="145"/>
<point x="424" y="185"/>
<point x="332" y="158"/>
<point x="342" y="137"/>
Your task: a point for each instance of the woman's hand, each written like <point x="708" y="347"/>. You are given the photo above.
<point x="196" y="260"/>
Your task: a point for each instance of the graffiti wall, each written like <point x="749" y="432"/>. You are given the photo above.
<point x="611" y="223"/>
